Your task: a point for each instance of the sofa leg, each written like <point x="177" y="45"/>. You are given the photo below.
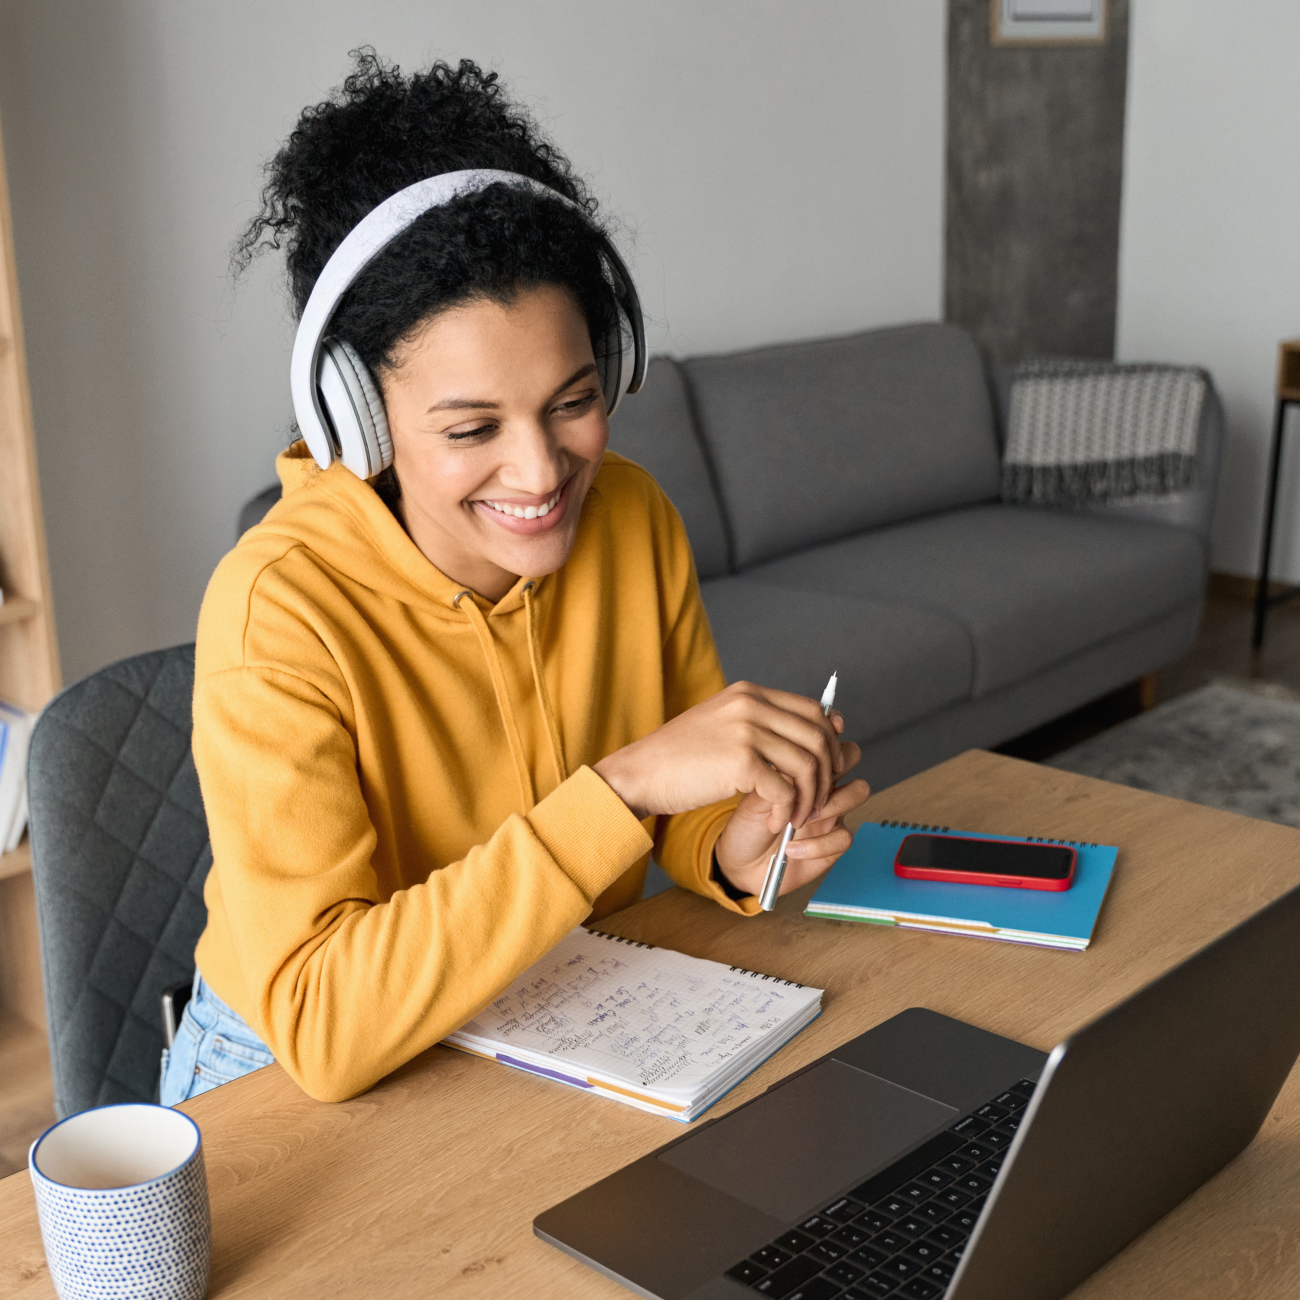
<point x="1147" y="691"/>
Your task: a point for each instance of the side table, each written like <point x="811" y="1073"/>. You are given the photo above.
<point x="1288" y="394"/>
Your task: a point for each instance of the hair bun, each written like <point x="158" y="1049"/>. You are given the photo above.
<point x="382" y="131"/>
<point x="378" y="133"/>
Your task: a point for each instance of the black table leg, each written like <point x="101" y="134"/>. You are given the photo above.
<point x="1262" y="601"/>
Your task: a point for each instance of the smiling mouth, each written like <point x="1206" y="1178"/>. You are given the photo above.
<point x="524" y="512"/>
<point x="525" y="520"/>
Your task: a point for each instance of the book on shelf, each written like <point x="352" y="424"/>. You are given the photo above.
<point x="15" y="732"/>
<point x="645" y="1026"/>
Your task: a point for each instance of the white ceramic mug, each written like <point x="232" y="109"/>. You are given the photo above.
<point x="122" y="1197"/>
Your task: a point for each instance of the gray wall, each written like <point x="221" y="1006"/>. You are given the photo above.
<point x="779" y="168"/>
<point x="1035" y="159"/>
<point x="1210" y="254"/>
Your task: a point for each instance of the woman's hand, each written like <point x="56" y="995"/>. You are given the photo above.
<point x="775" y="748"/>
<point x="771" y="744"/>
<point x="748" y="840"/>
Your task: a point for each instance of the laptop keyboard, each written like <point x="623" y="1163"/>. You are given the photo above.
<point x="903" y="1231"/>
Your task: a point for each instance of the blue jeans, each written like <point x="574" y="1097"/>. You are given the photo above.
<point x="213" y="1046"/>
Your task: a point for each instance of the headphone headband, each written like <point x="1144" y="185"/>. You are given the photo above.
<point x="369" y="237"/>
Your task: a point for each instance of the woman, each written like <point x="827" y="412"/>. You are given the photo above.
<point x="443" y="716"/>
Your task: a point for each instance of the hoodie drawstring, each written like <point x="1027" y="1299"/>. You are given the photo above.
<point x="479" y="623"/>
<point x="487" y="643"/>
<point x="539" y="684"/>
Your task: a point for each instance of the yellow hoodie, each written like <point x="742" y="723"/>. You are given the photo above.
<point x="396" y="772"/>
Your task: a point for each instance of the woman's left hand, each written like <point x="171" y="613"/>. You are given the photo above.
<point x="748" y="840"/>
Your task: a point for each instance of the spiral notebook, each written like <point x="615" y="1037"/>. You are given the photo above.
<point x="646" y="1026"/>
<point x="862" y="886"/>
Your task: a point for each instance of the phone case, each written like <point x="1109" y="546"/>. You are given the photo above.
<point x="983" y="877"/>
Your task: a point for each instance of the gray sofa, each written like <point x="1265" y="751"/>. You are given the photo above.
<point x="842" y="501"/>
<point x="841" y="497"/>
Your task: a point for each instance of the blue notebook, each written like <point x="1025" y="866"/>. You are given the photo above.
<point x="862" y="886"/>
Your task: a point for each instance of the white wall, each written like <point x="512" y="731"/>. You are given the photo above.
<point x="1210" y="235"/>
<point x="779" y="166"/>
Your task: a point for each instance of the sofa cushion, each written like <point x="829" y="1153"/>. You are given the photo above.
<point x="897" y="663"/>
<point x="1031" y="586"/>
<point x="655" y="428"/>
<point x="813" y="441"/>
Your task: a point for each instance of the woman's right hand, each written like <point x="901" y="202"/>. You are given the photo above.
<point x="747" y="739"/>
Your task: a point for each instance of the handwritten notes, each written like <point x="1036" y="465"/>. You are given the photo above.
<point x="648" y="1018"/>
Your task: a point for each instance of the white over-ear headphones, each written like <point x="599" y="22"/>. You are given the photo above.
<point x="337" y="402"/>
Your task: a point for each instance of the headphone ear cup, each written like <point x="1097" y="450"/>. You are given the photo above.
<point x="618" y="364"/>
<point x="355" y="408"/>
<point x="623" y="363"/>
<point x="609" y="364"/>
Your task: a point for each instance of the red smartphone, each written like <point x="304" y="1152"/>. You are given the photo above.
<point x="1008" y="863"/>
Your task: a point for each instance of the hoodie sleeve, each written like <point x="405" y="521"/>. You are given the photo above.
<point x="343" y="986"/>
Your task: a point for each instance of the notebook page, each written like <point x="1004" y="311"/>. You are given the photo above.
<point x="646" y="1017"/>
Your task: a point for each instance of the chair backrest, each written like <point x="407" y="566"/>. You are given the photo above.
<point x="119" y="856"/>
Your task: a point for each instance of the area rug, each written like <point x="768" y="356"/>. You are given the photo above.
<point x="1231" y="745"/>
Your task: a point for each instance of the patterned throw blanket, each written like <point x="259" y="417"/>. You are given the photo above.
<point x="1095" y="431"/>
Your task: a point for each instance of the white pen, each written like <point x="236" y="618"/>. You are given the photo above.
<point x="776" y="863"/>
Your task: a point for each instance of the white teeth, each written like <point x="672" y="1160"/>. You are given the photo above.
<point x="526" y="512"/>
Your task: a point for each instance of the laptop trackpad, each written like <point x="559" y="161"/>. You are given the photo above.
<point x="806" y="1139"/>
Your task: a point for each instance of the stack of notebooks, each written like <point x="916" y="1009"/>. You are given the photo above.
<point x="646" y="1026"/>
<point x="862" y="886"/>
<point x="15" y="730"/>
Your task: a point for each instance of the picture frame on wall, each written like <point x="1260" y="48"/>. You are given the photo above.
<point x="1047" y="22"/>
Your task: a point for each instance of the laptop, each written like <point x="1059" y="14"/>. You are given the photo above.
<point x="928" y="1158"/>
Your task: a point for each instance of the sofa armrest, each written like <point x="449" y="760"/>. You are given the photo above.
<point x="1192" y="509"/>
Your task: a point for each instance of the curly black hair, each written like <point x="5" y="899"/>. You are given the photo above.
<point x="382" y="131"/>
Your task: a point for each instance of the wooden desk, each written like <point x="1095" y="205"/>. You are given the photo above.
<point x="428" y="1184"/>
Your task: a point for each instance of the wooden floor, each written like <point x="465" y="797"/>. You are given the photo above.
<point x="1222" y="649"/>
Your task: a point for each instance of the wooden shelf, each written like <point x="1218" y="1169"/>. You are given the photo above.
<point x="17" y="863"/>
<point x="1288" y="370"/>
<point x="29" y="659"/>
<point x="26" y="1090"/>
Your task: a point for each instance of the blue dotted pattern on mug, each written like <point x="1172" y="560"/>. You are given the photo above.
<point x="148" y="1242"/>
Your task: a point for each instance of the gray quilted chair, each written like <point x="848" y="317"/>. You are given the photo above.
<point x="119" y="856"/>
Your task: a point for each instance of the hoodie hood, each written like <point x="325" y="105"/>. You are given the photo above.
<point x="343" y="521"/>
